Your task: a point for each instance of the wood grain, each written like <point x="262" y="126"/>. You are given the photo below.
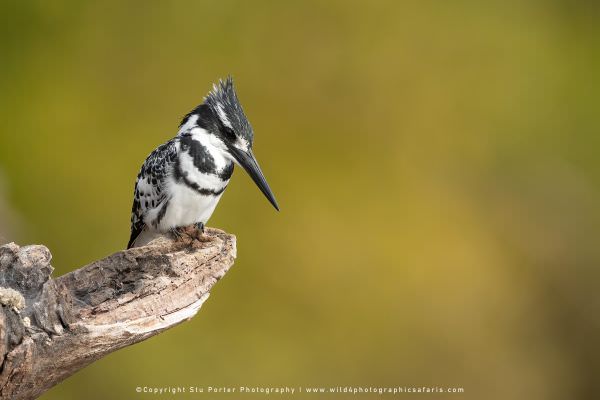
<point x="51" y="328"/>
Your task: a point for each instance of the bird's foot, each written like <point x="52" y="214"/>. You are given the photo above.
<point x="191" y="236"/>
<point x="177" y="233"/>
<point x="199" y="234"/>
<point x="182" y="240"/>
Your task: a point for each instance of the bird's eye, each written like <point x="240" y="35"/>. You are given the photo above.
<point x="229" y="133"/>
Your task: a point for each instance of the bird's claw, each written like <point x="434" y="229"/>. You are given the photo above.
<point x="199" y="233"/>
<point x="177" y="233"/>
<point x="190" y="236"/>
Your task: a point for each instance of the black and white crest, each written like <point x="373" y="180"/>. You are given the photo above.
<point x="223" y="103"/>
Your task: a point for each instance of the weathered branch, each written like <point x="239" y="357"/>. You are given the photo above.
<point x="50" y="328"/>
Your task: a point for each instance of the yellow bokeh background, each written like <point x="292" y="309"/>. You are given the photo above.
<point x="436" y="164"/>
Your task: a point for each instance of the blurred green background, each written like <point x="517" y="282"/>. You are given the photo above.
<point x="436" y="164"/>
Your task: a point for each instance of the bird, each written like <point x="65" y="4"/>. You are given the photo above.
<point x="181" y="182"/>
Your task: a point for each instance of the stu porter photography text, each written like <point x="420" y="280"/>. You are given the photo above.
<point x="275" y="390"/>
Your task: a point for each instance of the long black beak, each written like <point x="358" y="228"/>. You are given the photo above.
<point x="249" y="163"/>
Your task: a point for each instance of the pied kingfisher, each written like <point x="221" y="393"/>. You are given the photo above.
<point x="182" y="180"/>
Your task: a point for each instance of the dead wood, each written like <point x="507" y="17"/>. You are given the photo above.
<point x="51" y="328"/>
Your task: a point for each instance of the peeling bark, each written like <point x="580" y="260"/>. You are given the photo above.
<point x="51" y="328"/>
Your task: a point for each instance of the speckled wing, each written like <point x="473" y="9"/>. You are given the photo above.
<point x="149" y="186"/>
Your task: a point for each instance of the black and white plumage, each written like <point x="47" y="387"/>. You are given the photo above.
<point x="182" y="180"/>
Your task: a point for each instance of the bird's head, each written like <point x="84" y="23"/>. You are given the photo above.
<point x="222" y="121"/>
